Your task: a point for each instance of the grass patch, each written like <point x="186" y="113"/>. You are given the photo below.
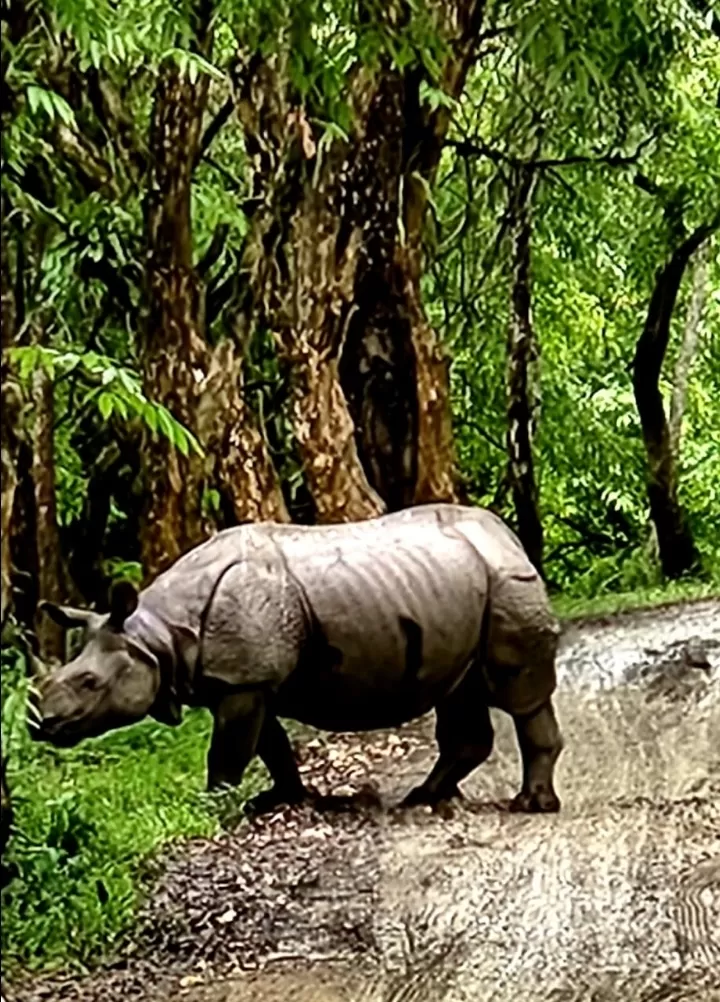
<point x="88" y="822"/>
<point x="579" y="607"/>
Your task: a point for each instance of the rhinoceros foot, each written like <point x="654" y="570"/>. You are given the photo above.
<point x="270" y="800"/>
<point x="538" y="802"/>
<point x="426" y="795"/>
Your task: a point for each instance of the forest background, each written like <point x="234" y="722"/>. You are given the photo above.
<point x="312" y="261"/>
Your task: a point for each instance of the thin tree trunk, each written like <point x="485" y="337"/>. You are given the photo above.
<point x="50" y="576"/>
<point x="10" y="411"/>
<point x="678" y="554"/>
<point x="9" y="416"/>
<point x="688" y="347"/>
<point x="522" y="381"/>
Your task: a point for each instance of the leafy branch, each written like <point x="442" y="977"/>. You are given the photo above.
<point x="114" y="390"/>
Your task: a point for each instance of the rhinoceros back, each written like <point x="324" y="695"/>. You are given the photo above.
<point x="399" y="612"/>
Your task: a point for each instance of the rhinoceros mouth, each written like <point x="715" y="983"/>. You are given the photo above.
<point x="63" y="735"/>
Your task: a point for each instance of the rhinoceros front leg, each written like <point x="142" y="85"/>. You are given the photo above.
<point x="239" y="718"/>
<point x="540" y="745"/>
<point x="245" y="727"/>
<point x="276" y="752"/>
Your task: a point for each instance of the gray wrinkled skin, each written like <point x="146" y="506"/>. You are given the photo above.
<point x="346" y="627"/>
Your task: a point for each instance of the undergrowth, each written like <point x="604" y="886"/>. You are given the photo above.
<point x="88" y="822"/>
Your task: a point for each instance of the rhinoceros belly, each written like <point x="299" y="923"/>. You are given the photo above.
<point x="397" y="615"/>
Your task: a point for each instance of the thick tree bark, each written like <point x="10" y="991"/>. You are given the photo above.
<point x="522" y="380"/>
<point x="678" y="554"/>
<point x="301" y="257"/>
<point x="688" y="347"/>
<point x="364" y="200"/>
<point x="239" y="463"/>
<point x="395" y="372"/>
<point x="201" y="391"/>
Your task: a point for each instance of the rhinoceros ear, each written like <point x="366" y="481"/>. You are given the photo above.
<point x="65" y="615"/>
<point x="123" y="603"/>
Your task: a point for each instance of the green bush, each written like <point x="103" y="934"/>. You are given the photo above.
<point x="88" y="819"/>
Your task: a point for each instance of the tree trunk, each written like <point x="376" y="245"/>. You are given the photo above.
<point x="10" y="406"/>
<point x="10" y="412"/>
<point x="6" y="823"/>
<point x="301" y="257"/>
<point x="394" y="371"/>
<point x="51" y="583"/>
<point x="678" y="554"/>
<point x="173" y="348"/>
<point x="201" y="389"/>
<point x="688" y="347"/>
<point x="363" y="202"/>
<point x="239" y="459"/>
<point x="522" y="359"/>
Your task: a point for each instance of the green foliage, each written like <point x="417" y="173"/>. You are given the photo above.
<point x="88" y="819"/>
<point x="598" y="240"/>
<point x="569" y="607"/>
<point x="113" y="389"/>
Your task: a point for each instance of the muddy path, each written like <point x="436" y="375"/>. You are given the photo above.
<point x="616" y="899"/>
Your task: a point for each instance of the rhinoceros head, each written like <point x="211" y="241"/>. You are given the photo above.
<point x="113" y="681"/>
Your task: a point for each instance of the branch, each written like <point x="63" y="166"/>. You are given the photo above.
<point x="652" y="343"/>
<point x="704" y="7"/>
<point x="645" y="183"/>
<point x="214" y="128"/>
<point x="93" y="171"/>
<point x="214" y="251"/>
<point x="467" y="148"/>
<point x="110" y="109"/>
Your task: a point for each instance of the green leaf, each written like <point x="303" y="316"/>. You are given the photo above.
<point x="150" y="417"/>
<point x="33" y="98"/>
<point x="105" y="403"/>
<point x="165" y="423"/>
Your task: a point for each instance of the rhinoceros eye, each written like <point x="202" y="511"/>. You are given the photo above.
<point x="89" y="682"/>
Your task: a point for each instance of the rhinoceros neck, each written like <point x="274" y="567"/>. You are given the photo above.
<point x="150" y="630"/>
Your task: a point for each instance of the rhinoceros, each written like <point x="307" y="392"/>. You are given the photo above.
<point x="346" y="627"/>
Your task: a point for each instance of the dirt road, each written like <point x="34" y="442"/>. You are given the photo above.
<point x="616" y="899"/>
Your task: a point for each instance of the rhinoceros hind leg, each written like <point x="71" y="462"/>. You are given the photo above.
<point x="465" y="738"/>
<point x="274" y="749"/>
<point x="540" y="745"/>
